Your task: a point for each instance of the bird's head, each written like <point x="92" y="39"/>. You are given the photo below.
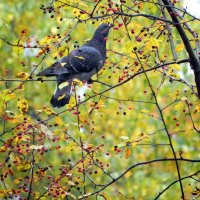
<point x="102" y="31"/>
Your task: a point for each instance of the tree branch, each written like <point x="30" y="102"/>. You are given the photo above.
<point x="194" y="61"/>
<point x="190" y="176"/>
<point x="131" y="167"/>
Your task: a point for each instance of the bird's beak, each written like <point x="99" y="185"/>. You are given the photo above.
<point x="109" y="27"/>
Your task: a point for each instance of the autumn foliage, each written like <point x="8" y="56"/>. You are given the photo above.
<point x="131" y="134"/>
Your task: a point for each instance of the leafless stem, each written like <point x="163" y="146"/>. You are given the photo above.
<point x="166" y="129"/>
<point x="169" y="32"/>
<point x="174" y="182"/>
<point x="194" y="60"/>
<point x="134" y="166"/>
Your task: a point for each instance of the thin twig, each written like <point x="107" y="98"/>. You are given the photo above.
<point x="169" y="32"/>
<point x="185" y="177"/>
<point x="134" y="166"/>
<point x="166" y="129"/>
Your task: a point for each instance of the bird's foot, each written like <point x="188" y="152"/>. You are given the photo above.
<point x="90" y="81"/>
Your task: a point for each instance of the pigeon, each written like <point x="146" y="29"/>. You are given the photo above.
<point x="82" y="63"/>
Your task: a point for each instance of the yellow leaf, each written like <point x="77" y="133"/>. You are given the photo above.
<point x="3" y="193"/>
<point x="58" y="120"/>
<point x="176" y="67"/>
<point x="22" y="75"/>
<point x="71" y="183"/>
<point x="152" y="43"/>
<point x="141" y="6"/>
<point x="179" y="105"/>
<point x="77" y="82"/>
<point x="71" y="103"/>
<point x="144" y="111"/>
<point x="45" y="40"/>
<point x="60" y="133"/>
<point x="22" y="105"/>
<point x="122" y="144"/>
<point x="100" y="104"/>
<point x="18" y="50"/>
<point x="76" y="12"/>
<point x="179" y="47"/>
<point x="183" y="98"/>
<point x="23" y="166"/>
<point x="62" y="136"/>
<point x="6" y="95"/>
<point x="17" y="160"/>
<point x="81" y="135"/>
<point x="128" y="47"/>
<point x="176" y="76"/>
<point x="84" y="16"/>
<point x="2" y="149"/>
<point x="197" y="108"/>
<point x="48" y="110"/>
<point x="16" y="181"/>
<point x="127" y="153"/>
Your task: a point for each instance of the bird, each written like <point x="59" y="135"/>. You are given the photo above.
<point x="82" y="63"/>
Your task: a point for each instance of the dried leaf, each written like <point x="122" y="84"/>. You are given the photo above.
<point x="22" y="75"/>
<point x="127" y="153"/>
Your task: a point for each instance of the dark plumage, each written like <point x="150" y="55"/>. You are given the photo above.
<point x="82" y="63"/>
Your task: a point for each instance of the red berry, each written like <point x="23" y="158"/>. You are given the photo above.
<point x="138" y="39"/>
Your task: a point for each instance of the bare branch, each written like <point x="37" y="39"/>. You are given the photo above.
<point x="194" y="60"/>
<point x="134" y="166"/>
<point x="183" y="178"/>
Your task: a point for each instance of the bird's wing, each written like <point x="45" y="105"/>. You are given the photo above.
<point x="56" y="69"/>
<point x="85" y="59"/>
<point x="81" y="60"/>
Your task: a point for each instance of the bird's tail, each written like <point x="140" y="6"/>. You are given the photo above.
<point x="62" y="94"/>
